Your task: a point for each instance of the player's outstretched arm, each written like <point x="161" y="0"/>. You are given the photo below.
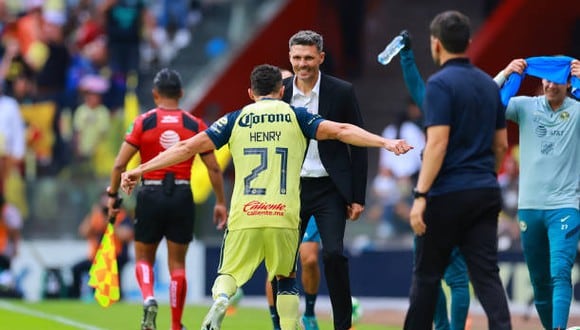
<point x="411" y="75"/>
<point x="354" y="135"/>
<point x="179" y="152"/>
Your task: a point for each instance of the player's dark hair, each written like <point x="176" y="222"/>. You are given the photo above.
<point x="307" y="38"/>
<point x="453" y="29"/>
<point x="167" y="82"/>
<point x="265" y="79"/>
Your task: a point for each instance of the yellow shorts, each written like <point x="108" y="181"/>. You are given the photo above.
<point x="243" y="250"/>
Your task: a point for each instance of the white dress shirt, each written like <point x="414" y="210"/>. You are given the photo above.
<point x="312" y="166"/>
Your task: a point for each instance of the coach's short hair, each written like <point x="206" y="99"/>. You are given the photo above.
<point x="265" y="79"/>
<point x="167" y="82"/>
<point x="307" y="38"/>
<point x="453" y="29"/>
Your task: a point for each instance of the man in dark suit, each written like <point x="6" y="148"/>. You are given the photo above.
<point x="334" y="174"/>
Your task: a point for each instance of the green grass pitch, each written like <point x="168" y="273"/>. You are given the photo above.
<point x="67" y="314"/>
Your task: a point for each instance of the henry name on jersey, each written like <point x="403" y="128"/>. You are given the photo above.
<point x="248" y="120"/>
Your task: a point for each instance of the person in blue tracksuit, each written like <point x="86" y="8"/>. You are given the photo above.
<point x="456" y="275"/>
<point x="549" y="135"/>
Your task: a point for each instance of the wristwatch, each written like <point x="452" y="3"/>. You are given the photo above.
<point x="418" y="194"/>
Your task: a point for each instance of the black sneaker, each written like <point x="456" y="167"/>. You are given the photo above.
<point x="149" y="314"/>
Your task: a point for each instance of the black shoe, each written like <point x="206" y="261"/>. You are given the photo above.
<point x="149" y="314"/>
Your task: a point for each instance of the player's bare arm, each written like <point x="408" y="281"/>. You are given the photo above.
<point x="126" y="152"/>
<point x="177" y="153"/>
<point x="500" y="146"/>
<point x="354" y="135"/>
<point x="215" y="177"/>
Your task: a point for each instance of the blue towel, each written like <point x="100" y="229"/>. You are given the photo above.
<point x="553" y="68"/>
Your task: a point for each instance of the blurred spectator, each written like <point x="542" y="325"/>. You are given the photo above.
<point x="14" y="67"/>
<point x="172" y="32"/>
<point x="10" y="226"/>
<point x="51" y="78"/>
<point x="385" y="195"/>
<point x="82" y="20"/>
<point x="127" y="23"/>
<point x="92" y="229"/>
<point x="12" y="139"/>
<point x="28" y="31"/>
<point x="508" y="227"/>
<point x="397" y="175"/>
<point x="23" y="88"/>
<point x="92" y="59"/>
<point x="194" y="15"/>
<point x="4" y="15"/>
<point x="91" y="122"/>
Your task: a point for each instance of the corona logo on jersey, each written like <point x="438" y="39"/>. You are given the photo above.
<point x="249" y="119"/>
<point x="264" y="208"/>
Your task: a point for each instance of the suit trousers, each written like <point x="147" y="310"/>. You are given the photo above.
<point x="320" y="198"/>
<point x="467" y="219"/>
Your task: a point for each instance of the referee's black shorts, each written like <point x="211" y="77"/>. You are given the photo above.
<point x="159" y="215"/>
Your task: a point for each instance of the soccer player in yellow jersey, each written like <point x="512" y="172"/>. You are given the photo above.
<point x="268" y="139"/>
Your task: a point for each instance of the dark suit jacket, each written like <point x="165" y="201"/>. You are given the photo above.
<point x="347" y="165"/>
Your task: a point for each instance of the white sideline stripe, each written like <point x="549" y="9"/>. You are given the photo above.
<point x="27" y="311"/>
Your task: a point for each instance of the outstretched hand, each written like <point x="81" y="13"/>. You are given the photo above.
<point x="130" y="179"/>
<point x="398" y="147"/>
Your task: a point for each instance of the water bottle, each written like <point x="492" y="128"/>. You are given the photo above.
<point x="392" y="49"/>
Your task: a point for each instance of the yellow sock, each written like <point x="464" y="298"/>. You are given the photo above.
<point x="287" y="306"/>
<point x="224" y="284"/>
